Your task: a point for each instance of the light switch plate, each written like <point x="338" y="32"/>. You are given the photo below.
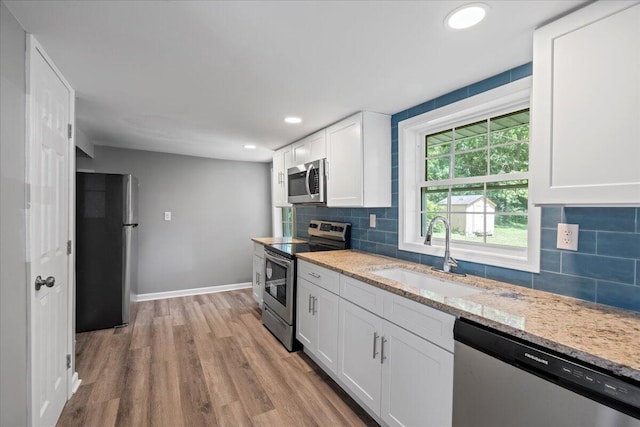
<point x="167" y="216"/>
<point x="372" y="220"/>
<point x="568" y="236"/>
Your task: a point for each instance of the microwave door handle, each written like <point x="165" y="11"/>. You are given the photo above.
<point x="307" y="182"/>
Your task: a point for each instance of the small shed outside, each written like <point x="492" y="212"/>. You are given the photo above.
<point x="472" y="223"/>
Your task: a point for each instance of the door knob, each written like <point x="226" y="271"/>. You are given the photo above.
<point x="48" y="282"/>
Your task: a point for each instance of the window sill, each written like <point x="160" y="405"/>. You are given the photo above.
<point x="517" y="258"/>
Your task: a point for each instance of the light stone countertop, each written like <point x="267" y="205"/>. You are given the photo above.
<point x="603" y="336"/>
<point x="276" y="240"/>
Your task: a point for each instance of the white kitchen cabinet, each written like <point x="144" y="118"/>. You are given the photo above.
<point x="317" y="313"/>
<point x="358" y="166"/>
<point x="585" y="147"/>
<point x="325" y="310"/>
<point x="257" y="282"/>
<point x="417" y="386"/>
<point x="399" y="366"/>
<point x="310" y="148"/>
<point x="317" y="323"/>
<point x="306" y="323"/>
<point x="282" y="160"/>
<point x="359" y="367"/>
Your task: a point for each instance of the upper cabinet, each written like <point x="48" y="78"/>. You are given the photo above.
<point x="358" y="165"/>
<point x="313" y="147"/>
<point x="282" y="159"/>
<point x="586" y="108"/>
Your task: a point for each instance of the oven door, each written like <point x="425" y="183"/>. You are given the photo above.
<point x="306" y="183"/>
<point x="279" y="283"/>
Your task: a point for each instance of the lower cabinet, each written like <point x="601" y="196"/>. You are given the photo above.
<point x="401" y="377"/>
<point x="317" y="322"/>
<point x="257" y="281"/>
<point x="417" y="380"/>
<point x="359" y="359"/>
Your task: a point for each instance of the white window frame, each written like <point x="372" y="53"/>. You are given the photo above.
<point x="411" y="155"/>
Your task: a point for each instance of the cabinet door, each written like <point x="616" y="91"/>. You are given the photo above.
<point x="306" y="323"/>
<point x="258" y="279"/>
<point x="417" y="380"/>
<point x="318" y="145"/>
<point x="586" y="102"/>
<point x="277" y="180"/>
<point x="282" y="160"/>
<point x="359" y="353"/>
<point x="344" y="163"/>
<point x="326" y="315"/>
<point x="313" y="147"/>
<point x="301" y="152"/>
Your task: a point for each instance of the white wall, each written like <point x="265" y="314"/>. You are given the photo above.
<point x="216" y="205"/>
<point x="84" y="144"/>
<point x="13" y="269"/>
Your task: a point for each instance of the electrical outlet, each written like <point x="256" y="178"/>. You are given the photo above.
<point x="167" y="216"/>
<point x="372" y="220"/>
<point x="568" y="236"/>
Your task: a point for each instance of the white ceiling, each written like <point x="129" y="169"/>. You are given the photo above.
<point x="203" y="78"/>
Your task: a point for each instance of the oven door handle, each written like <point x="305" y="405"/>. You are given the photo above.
<point x="280" y="261"/>
<point x="313" y="196"/>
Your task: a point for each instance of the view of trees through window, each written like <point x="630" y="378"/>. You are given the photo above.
<point x="476" y="175"/>
<point x="287" y="222"/>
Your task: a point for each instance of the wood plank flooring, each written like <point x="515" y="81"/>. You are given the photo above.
<point x="204" y="360"/>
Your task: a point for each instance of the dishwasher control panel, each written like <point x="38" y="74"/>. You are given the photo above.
<point x="571" y="372"/>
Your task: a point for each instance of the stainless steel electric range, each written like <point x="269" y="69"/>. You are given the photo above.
<point x="278" y="314"/>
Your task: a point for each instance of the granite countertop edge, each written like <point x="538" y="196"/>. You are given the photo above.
<point x="494" y="289"/>
<point x="277" y="240"/>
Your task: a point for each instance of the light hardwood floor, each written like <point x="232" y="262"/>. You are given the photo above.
<point x="204" y="360"/>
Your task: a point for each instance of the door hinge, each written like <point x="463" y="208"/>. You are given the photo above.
<point x="69" y="130"/>
<point x="68" y="247"/>
<point x="68" y="361"/>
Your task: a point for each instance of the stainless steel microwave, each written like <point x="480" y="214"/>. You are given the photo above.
<point x="307" y="183"/>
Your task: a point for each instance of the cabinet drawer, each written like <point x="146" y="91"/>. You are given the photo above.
<point x="426" y="322"/>
<point x="363" y="294"/>
<point x="258" y="250"/>
<point x="323" y="277"/>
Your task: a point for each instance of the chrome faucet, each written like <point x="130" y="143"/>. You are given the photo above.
<point x="448" y="262"/>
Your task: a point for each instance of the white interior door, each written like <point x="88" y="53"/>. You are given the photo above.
<point x="50" y="113"/>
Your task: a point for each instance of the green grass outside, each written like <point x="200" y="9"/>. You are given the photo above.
<point x="506" y="235"/>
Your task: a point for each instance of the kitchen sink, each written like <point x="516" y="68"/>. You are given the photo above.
<point x="426" y="282"/>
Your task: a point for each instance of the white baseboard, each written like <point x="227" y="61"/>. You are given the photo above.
<point x="188" y="292"/>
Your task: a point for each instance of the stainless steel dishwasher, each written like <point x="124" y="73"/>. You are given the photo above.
<point x="500" y="380"/>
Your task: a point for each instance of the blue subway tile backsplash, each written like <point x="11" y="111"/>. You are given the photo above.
<point x="571" y="286"/>
<point x="623" y="245"/>
<point x="605" y="269"/>
<point x="623" y="296"/>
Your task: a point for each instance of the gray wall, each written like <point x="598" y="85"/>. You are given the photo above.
<point x="84" y="144"/>
<point x="13" y="272"/>
<point x="216" y="205"/>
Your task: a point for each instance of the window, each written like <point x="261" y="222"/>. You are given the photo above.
<point x="469" y="162"/>
<point x="287" y="222"/>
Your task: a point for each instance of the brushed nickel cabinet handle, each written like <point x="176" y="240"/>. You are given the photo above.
<point x="375" y="344"/>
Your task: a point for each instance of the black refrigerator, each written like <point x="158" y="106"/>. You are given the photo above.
<point x="106" y="246"/>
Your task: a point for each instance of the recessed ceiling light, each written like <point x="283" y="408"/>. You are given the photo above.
<point x="466" y="16"/>
<point x="249" y="146"/>
<point x="293" y="120"/>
